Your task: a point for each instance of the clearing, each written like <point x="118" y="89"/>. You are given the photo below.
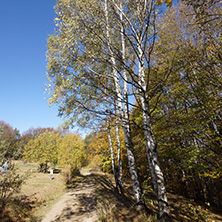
<point x="92" y="197"/>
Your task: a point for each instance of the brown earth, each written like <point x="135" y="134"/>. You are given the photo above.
<point x="94" y="198"/>
<point x="76" y="205"/>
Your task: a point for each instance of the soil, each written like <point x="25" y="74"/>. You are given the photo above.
<point x="79" y="204"/>
<point x="76" y="205"/>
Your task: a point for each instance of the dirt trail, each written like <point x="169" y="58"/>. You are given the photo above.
<point x="76" y="205"/>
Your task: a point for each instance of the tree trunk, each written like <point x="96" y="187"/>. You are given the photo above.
<point x="133" y="166"/>
<point x="151" y="148"/>
<point x="119" y="152"/>
<point x="125" y="122"/>
<point x="150" y="143"/>
<point x="159" y="185"/>
<point x="112" y="154"/>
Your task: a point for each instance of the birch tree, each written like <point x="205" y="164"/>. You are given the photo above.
<point x="141" y="29"/>
<point x="114" y="39"/>
<point x="87" y="54"/>
<point x="123" y="113"/>
<point x="112" y="153"/>
<point x="120" y="170"/>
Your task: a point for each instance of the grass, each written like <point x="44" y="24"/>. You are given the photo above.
<point x="112" y="206"/>
<point x="39" y="193"/>
<point x="46" y="191"/>
<point x="39" y="189"/>
<point x="24" y="167"/>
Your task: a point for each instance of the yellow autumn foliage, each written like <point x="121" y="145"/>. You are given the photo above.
<point x="43" y="148"/>
<point x="71" y="153"/>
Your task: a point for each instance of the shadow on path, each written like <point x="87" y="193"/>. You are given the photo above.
<point x="78" y="204"/>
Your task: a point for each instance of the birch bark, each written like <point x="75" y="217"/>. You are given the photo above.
<point x="118" y="151"/>
<point x="151" y="145"/>
<point x="112" y="154"/>
<point x="125" y="122"/>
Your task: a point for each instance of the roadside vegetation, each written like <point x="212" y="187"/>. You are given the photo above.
<point x="26" y="190"/>
<point x="145" y="79"/>
<point x="38" y="194"/>
<point x="113" y="206"/>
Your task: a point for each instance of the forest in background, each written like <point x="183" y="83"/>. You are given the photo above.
<point x="147" y="80"/>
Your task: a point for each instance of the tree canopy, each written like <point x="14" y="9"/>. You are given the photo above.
<point x="158" y="72"/>
<point x="43" y="148"/>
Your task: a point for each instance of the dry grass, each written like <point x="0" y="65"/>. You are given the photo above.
<point x="41" y="193"/>
<point x="112" y="206"/>
<point x="39" y="189"/>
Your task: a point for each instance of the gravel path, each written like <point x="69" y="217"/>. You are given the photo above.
<point x="76" y="205"/>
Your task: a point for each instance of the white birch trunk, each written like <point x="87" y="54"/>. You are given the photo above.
<point x="112" y="154"/>
<point x="126" y="106"/>
<point x="125" y="123"/>
<point x="119" y="152"/>
<point x="151" y="145"/>
<point x="151" y="148"/>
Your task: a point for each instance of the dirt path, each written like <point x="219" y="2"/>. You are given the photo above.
<point x="76" y="205"/>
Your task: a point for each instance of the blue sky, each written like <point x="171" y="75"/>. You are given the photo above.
<point x="25" y="26"/>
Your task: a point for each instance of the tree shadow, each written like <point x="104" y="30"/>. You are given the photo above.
<point x="186" y="210"/>
<point x="182" y="209"/>
<point x="116" y="206"/>
<point x="20" y="208"/>
<point x="104" y="200"/>
<point x="111" y="205"/>
<point x="83" y="202"/>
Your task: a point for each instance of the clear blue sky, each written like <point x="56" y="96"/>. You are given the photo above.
<point x="25" y="26"/>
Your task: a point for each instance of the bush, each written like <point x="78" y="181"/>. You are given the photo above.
<point x="10" y="184"/>
<point x="43" y="167"/>
<point x="71" y="174"/>
<point x="95" y="163"/>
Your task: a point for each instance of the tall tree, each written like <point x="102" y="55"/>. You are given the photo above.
<point x="123" y="112"/>
<point x="88" y="68"/>
<point x="115" y="39"/>
<point x="190" y="104"/>
<point x="71" y="152"/>
<point x="43" y="148"/>
<point x="10" y="137"/>
<point x="118" y="151"/>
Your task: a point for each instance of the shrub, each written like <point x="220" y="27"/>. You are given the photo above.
<point x="43" y="167"/>
<point x="10" y="184"/>
<point x="71" y="174"/>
